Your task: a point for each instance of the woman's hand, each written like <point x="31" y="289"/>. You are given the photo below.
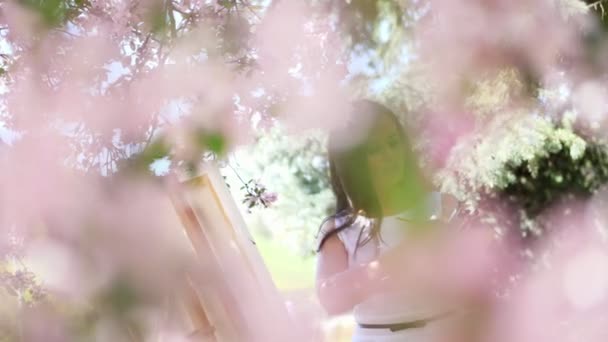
<point x="340" y="287"/>
<point x="408" y="265"/>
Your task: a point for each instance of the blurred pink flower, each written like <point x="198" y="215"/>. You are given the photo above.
<point x="462" y="40"/>
<point x="443" y="130"/>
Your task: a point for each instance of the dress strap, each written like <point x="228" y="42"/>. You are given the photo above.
<point x="332" y="225"/>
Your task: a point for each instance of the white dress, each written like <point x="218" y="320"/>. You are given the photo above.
<point x="386" y="308"/>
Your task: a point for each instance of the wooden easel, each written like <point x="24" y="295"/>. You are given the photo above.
<point x="237" y="299"/>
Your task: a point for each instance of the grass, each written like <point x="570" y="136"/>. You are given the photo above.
<point x="288" y="270"/>
<point x="292" y="273"/>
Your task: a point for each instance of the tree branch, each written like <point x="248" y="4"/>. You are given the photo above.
<point x="169" y="8"/>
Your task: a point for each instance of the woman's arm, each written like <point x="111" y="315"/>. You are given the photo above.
<point x="335" y="283"/>
<point x="339" y="287"/>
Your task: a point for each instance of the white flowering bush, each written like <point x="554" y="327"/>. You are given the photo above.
<point x="483" y="162"/>
<point x="295" y="168"/>
<point x="528" y="147"/>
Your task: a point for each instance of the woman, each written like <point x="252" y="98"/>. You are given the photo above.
<point x="380" y="197"/>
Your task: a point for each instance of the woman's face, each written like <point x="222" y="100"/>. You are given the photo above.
<point x="385" y="156"/>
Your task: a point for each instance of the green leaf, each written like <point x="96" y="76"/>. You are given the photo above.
<point x="228" y="4"/>
<point x="156" y="150"/>
<point x="52" y="12"/>
<point x="157" y="18"/>
<point x="120" y="297"/>
<point x="212" y="141"/>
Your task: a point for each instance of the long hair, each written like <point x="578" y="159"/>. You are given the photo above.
<point x="350" y="177"/>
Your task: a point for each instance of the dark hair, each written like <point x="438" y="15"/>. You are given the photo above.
<point x="350" y="176"/>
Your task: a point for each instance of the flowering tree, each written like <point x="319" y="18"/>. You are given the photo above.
<point x="505" y="100"/>
<point x="93" y="93"/>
